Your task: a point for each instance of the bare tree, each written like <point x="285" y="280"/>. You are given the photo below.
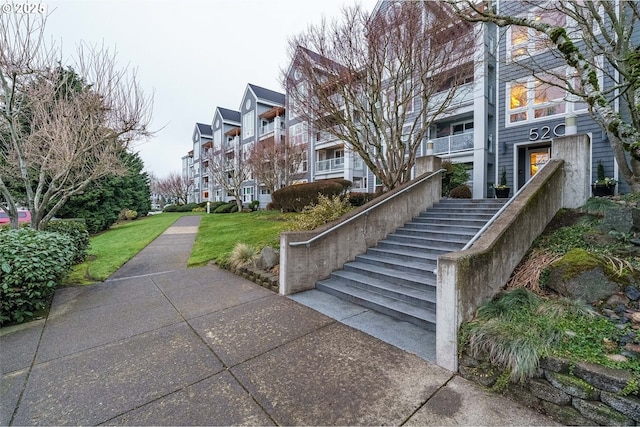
<point x="380" y="82"/>
<point x="276" y="165"/>
<point x="229" y="169"/>
<point x="174" y="187"/>
<point x="593" y="38"/>
<point x="63" y="128"/>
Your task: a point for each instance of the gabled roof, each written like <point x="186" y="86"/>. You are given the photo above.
<point x="267" y="94"/>
<point x="205" y="130"/>
<point x="229" y="115"/>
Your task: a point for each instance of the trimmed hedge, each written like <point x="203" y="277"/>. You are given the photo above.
<point x="32" y="264"/>
<point x="226" y="208"/>
<point x="189" y="207"/>
<point x="77" y="232"/>
<point x="359" y="199"/>
<point x="460" y="192"/>
<point x="295" y="198"/>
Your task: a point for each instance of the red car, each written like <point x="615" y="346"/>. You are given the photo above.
<point x="23" y="216"/>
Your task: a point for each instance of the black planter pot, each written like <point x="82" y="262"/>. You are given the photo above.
<point x="600" y="190"/>
<point x="502" y="193"/>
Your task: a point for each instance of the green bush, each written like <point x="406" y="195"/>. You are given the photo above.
<point x="359" y="199"/>
<point x="189" y="207"/>
<point x="77" y="232"/>
<point x="460" y="192"/>
<point x="216" y="205"/>
<point x="127" y="215"/>
<point x="199" y="210"/>
<point x="326" y="210"/>
<point x="295" y="198"/>
<point x="171" y="208"/>
<point x="234" y="208"/>
<point x="226" y="208"/>
<point x="456" y="174"/>
<point x="254" y="205"/>
<point x="32" y="264"/>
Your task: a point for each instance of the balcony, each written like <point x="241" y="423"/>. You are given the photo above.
<point x="453" y="143"/>
<point x="463" y="95"/>
<point x="330" y="165"/>
<point x="269" y="128"/>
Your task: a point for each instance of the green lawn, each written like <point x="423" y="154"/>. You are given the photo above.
<point x="111" y="249"/>
<point x="219" y="233"/>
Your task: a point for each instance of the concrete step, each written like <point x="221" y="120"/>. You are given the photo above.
<point x="467" y="230"/>
<point x="397" y="309"/>
<point x="452" y="236"/>
<point x="451" y="222"/>
<point x="397" y="264"/>
<point x="406" y="255"/>
<point x="412" y="246"/>
<point x="426" y="241"/>
<point x="391" y="275"/>
<point x="419" y="295"/>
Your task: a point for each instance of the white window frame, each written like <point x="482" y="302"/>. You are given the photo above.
<point x="529" y="45"/>
<point x="530" y="107"/>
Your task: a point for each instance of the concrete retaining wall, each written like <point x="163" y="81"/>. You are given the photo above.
<point x="468" y="278"/>
<point x="302" y="266"/>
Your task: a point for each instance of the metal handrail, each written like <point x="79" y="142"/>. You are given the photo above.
<point x="307" y="243"/>
<point x="493" y="218"/>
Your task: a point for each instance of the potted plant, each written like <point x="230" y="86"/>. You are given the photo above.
<point x="502" y="191"/>
<point x="603" y="186"/>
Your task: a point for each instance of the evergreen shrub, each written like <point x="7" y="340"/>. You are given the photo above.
<point x="77" y="231"/>
<point x="32" y="264"/>
<point x="295" y="198"/>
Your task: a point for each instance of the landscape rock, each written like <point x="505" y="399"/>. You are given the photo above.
<point x="627" y="405"/>
<point x="623" y="220"/>
<point x="600" y="413"/>
<point x="545" y="391"/>
<point x="617" y="300"/>
<point x="268" y="258"/>
<point x="573" y="386"/>
<point x="567" y="415"/>
<point x="632" y="293"/>
<point x="608" y="379"/>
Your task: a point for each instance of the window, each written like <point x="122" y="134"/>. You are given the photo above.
<point x="217" y="139"/>
<point x="523" y="41"/>
<point x="533" y="99"/>
<point x="248" y="124"/>
<point x="299" y="134"/>
<point x="265" y="191"/>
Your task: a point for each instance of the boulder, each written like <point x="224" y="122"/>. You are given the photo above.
<point x="623" y="220"/>
<point x="268" y="258"/>
<point x="581" y="275"/>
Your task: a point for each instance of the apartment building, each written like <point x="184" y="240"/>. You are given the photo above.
<point x="504" y="115"/>
<point x="531" y="112"/>
<point x="192" y="166"/>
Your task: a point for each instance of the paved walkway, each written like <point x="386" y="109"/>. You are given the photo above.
<point x="159" y="344"/>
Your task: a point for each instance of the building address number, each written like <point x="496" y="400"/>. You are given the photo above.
<point x="545" y="132"/>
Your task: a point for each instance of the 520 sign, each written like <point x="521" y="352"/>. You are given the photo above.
<point x="545" y="132"/>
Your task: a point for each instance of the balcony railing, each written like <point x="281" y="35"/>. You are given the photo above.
<point x="464" y="94"/>
<point x="453" y="143"/>
<point x="330" y="165"/>
<point x="269" y="127"/>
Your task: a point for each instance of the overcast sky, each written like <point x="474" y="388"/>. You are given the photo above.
<point x="194" y="55"/>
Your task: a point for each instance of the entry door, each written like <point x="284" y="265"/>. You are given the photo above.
<point x="536" y="158"/>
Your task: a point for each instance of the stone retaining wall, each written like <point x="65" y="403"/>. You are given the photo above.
<point x="260" y="277"/>
<point x="573" y="394"/>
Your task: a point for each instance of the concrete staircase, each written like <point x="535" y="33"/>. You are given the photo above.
<point x="398" y="276"/>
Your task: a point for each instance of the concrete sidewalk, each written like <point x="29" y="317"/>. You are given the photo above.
<point x="159" y="344"/>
